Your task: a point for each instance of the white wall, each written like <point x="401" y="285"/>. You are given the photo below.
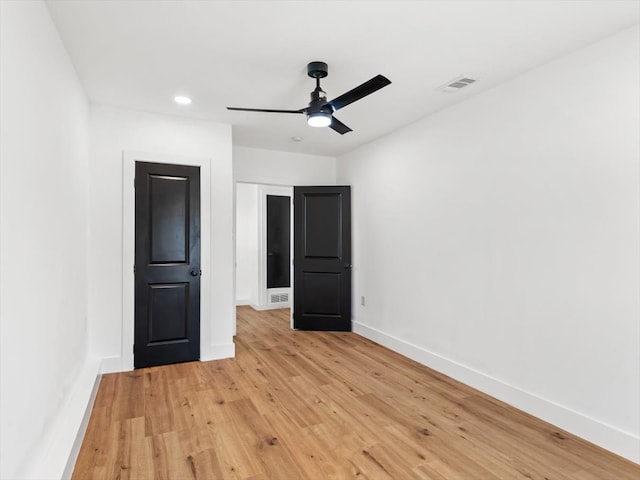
<point x="113" y="131"/>
<point x="498" y="241"/>
<point x="246" y="244"/>
<point x="43" y="282"/>
<point x="254" y="165"/>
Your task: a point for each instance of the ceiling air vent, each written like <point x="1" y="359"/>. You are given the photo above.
<point x="456" y="84"/>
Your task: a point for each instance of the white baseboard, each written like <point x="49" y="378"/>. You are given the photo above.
<point x="213" y="352"/>
<point x="112" y="365"/>
<point x="240" y="302"/>
<point x="606" y="436"/>
<point x="218" y="352"/>
<point x="55" y="454"/>
<point x="272" y="306"/>
<point x="75" y="451"/>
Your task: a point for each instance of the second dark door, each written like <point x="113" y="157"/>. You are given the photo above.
<point x="322" y="258"/>
<point x="278" y="241"/>
<point x="167" y="264"/>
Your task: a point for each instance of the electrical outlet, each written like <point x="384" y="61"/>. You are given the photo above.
<point x="362" y="300"/>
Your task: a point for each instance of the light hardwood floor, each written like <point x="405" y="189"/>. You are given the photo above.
<point x="312" y="405"/>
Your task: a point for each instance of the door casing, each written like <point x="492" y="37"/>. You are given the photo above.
<point x="124" y="362"/>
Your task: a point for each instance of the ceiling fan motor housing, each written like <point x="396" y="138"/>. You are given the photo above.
<point x="317" y="69"/>
<point x="318" y="101"/>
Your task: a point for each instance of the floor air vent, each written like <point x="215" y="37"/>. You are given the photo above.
<point x="279" y="298"/>
<point x="457" y="84"/>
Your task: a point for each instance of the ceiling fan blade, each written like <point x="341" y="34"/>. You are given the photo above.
<point x="267" y="110"/>
<point x="367" y="88"/>
<point x="338" y="126"/>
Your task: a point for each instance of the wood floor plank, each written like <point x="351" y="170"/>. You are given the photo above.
<point x="319" y="405"/>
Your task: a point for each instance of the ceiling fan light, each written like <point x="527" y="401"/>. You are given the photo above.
<point x="320" y="119"/>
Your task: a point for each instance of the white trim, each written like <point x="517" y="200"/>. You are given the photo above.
<point x="58" y="447"/>
<point x="606" y="436"/>
<point x="128" y="248"/>
<point x="112" y="365"/>
<point x="216" y="352"/>
<point x="75" y="450"/>
<point x="272" y="306"/>
<point x="234" y="245"/>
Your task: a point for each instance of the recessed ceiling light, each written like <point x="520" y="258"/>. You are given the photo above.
<point x="182" y="100"/>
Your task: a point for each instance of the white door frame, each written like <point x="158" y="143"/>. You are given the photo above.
<point x="129" y="159"/>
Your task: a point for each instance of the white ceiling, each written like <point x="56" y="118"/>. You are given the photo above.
<point x="141" y="53"/>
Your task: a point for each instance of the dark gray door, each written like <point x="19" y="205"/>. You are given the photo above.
<point x="322" y="258"/>
<point x="167" y="264"/>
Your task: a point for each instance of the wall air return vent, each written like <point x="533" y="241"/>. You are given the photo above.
<point x="457" y="84"/>
<point x="279" y="298"/>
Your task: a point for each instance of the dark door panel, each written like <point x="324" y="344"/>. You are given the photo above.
<point x="278" y="241"/>
<point x="168" y="300"/>
<point x="167" y="285"/>
<point x="169" y="219"/>
<point x="322" y="258"/>
<point x="323" y="225"/>
<point x="321" y="293"/>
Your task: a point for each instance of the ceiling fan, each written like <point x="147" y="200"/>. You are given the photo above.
<point x="320" y="111"/>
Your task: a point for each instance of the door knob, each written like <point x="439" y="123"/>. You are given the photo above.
<point x="348" y="266"/>
<point x="194" y="272"/>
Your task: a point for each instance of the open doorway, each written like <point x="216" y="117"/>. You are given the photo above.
<point x="263" y="245"/>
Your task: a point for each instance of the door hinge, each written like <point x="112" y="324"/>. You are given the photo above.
<point x="134" y="348"/>
<point x="134" y="269"/>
